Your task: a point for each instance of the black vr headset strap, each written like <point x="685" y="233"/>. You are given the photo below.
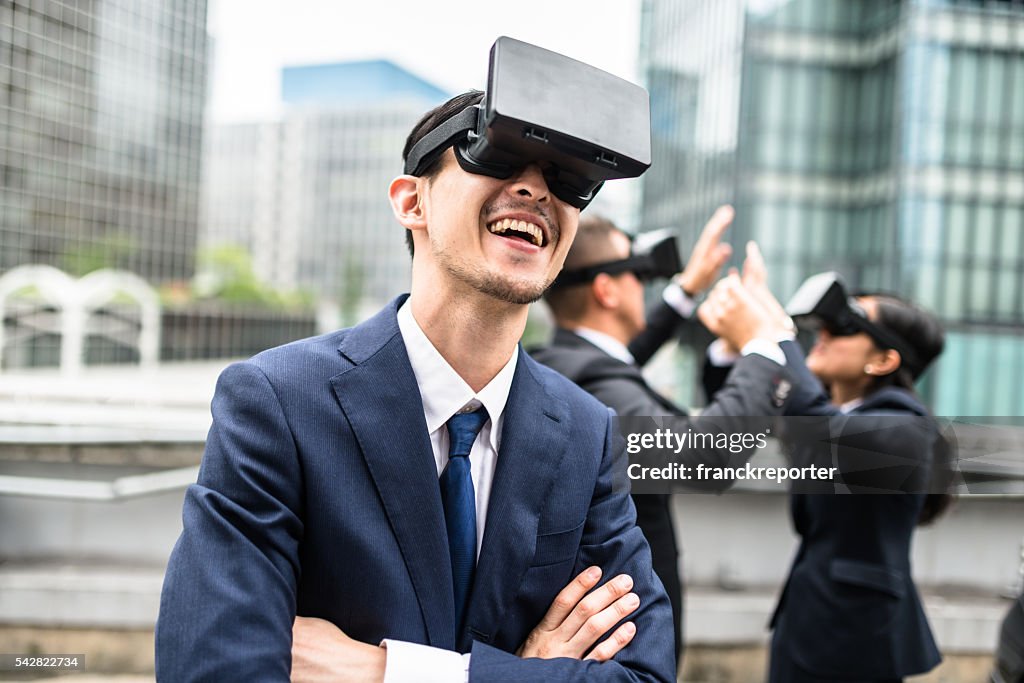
<point x="424" y="152"/>
<point x="889" y="339"/>
<point x="639" y="264"/>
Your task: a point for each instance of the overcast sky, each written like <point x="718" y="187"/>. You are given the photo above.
<point x="446" y="42"/>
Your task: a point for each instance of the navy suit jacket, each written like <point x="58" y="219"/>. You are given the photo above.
<point x="318" y="495"/>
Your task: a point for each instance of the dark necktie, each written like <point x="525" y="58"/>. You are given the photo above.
<point x="460" y="504"/>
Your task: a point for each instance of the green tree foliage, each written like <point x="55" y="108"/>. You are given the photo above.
<point x="226" y="273"/>
<point x="110" y="251"/>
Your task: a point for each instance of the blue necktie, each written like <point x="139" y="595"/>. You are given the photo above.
<point x="460" y="504"/>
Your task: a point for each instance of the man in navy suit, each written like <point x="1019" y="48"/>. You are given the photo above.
<point x="325" y="490"/>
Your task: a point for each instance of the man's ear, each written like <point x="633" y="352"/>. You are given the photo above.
<point x="406" y="194"/>
<point x="605" y="291"/>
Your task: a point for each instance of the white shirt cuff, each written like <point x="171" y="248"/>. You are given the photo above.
<point x="720" y="355"/>
<point x="766" y="348"/>
<point x="415" y="663"/>
<point x="675" y="297"/>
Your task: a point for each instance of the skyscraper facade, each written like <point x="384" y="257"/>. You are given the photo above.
<point x="306" y="194"/>
<point x="883" y="139"/>
<point x="101" y="112"/>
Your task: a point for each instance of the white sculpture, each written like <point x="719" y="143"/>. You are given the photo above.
<point x="77" y="300"/>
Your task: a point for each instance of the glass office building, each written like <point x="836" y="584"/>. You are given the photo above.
<point x="101" y="112"/>
<point x="306" y="194"/>
<point x="883" y="139"/>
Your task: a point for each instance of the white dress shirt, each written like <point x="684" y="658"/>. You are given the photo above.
<point x="444" y="394"/>
<point x="851" y="405"/>
<point x="607" y="343"/>
<point x="721" y="357"/>
<point x="673" y="295"/>
<point x="679" y="300"/>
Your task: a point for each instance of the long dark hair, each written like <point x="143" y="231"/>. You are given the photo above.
<point x="915" y="326"/>
<point x="927" y="339"/>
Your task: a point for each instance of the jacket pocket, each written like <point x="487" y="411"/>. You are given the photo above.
<point x="867" y="575"/>
<point x="557" y="547"/>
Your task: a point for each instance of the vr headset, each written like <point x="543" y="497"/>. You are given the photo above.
<point x="652" y="255"/>
<point x="822" y="302"/>
<point x="540" y="106"/>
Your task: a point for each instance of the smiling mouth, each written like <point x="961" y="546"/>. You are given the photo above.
<point x="516" y="229"/>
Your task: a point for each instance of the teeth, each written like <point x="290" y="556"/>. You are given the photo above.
<point x="506" y="224"/>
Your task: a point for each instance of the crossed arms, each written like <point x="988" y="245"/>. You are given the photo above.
<point x="232" y="589"/>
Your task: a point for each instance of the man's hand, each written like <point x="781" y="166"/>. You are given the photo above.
<point x="321" y="652"/>
<point x="709" y="254"/>
<point x="575" y="620"/>
<point x="732" y="313"/>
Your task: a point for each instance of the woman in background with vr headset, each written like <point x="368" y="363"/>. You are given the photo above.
<point x="849" y="610"/>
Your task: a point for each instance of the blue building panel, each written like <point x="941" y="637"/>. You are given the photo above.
<point x="355" y="84"/>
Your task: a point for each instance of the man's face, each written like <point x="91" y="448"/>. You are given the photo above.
<point x="631" y="305"/>
<point x="504" y="238"/>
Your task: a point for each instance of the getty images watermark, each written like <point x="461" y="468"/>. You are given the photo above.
<point x="695" y="443"/>
<point x="837" y="454"/>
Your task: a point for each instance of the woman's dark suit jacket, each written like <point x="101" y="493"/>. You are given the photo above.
<point x="849" y="608"/>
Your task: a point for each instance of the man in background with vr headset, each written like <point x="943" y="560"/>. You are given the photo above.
<point x="434" y="503"/>
<point x="603" y="338"/>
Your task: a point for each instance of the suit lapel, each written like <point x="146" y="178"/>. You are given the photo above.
<point x="604" y="366"/>
<point x="534" y="435"/>
<point x="380" y="399"/>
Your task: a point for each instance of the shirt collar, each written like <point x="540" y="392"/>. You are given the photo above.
<point x="613" y="347"/>
<point x="851" y="405"/>
<point x="443" y="392"/>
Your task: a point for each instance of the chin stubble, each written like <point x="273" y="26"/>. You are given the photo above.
<point x="509" y="290"/>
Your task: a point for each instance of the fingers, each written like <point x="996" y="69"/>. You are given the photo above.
<point x="755" y="256"/>
<point x="755" y="279"/>
<point x="593" y="605"/>
<point x="721" y="255"/>
<point x="569" y="597"/>
<point x="729" y="287"/>
<point x="576" y="620"/>
<point x="732" y="313"/>
<point x="754" y="271"/>
<point x="769" y="303"/>
<point x="727" y="296"/>
<point x="597" y="626"/>
<point x="709" y="317"/>
<point x="741" y="308"/>
<point x="716" y="226"/>
<point x="610" y="647"/>
<point x="709" y="254"/>
<point x="714" y="309"/>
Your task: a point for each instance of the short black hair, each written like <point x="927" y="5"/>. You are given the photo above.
<point x="428" y="122"/>
<point x="592" y="246"/>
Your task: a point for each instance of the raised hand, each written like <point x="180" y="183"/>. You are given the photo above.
<point x="732" y="313"/>
<point x="755" y="280"/>
<point x="709" y="254"/>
